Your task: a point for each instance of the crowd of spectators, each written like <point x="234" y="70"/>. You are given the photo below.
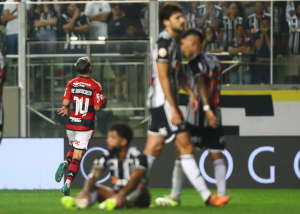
<point x="243" y="29"/>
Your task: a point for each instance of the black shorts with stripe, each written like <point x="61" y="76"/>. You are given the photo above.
<point x="161" y="123"/>
<point x="207" y="137"/>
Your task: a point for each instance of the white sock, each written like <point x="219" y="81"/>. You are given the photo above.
<point x="177" y="179"/>
<point x="68" y="183"/>
<point x="150" y="161"/>
<point x="220" y="174"/>
<point x="192" y="171"/>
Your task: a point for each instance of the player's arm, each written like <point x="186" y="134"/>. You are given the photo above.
<point x="187" y="88"/>
<point x="93" y="177"/>
<point x="66" y="102"/>
<point x="100" y="101"/>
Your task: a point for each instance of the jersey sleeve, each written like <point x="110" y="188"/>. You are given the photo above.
<point x="106" y="8"/>
<point x="67" y="94"/>
<point x="88" y="9"/>
<point x="101" y="162"/>
<point x="98" y="96"/>
<point x="197" y="68"/>
<point x="140" y="162"/>
<point x="163" y="54"/>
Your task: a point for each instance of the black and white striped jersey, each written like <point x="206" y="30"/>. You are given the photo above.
<point x="212" y="45"/>
<point x="293" y="29"/>
<point x="40" y="15"/>
<point x="217" y="12"/>
<point x="120" y="171"/>
<point x="208" y="65"/>
<point x="191" y="19"/>
<point x="229" y="27"/>
<point x="253" y="23"/>
<point x="165" y="50"/>
<point x="80" y="21"/>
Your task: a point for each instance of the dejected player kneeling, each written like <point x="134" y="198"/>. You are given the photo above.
<point x="86" y="96"/>
<point x="128" y="168"/>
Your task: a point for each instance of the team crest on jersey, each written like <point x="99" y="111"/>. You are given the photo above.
<point x="99" y="97"/>
<point x="162" y="52"/>
<point x="80" y="84"/>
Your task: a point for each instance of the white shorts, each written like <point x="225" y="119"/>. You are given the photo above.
<point x="80" y="139"/>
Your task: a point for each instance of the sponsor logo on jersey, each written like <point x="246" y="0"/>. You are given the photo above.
<point x="99" y="97"/>
<point x="81" y="91"/>
<point x="77" y="142"/>
<point x="75" y="120"/>
<point x="162" y="52"/>
<point x="81" y="84"/>
<point x="163" y="131"/>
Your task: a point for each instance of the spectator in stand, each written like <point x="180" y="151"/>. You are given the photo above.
<point x="254" y="20"/>
<point x="292" y="33"/>
<point x="230" y="23"/>
<point x="74" y="25"/>
<point x="241" y="44"/>
<point x="262" y="40"/>
<point x="117" y="24"/>
<point x="211" y="43"/>
<point x="210" y="15"/>
<point x="97" y="13"/>
<point x="45" y="21"/>
<point x="191" y="16"/>
<point x="138" y="13"/>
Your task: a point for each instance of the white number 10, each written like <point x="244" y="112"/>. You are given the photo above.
<point x="79" y="104"/>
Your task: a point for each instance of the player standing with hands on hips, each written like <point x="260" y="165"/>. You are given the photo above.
<point x="86" y="96"/>
<point x="167" y="123"/>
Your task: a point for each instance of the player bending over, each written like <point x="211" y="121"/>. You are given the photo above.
<point x="86" y="96"/>
<point x="167" y="123"/>
<point x="128" y="167"/>
<point x="204" y="73"/>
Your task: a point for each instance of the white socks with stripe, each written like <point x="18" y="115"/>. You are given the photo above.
<point x="192" y="171"/>
<point x="220" y="174"/>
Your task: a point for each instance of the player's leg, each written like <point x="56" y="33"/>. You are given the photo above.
<point x="214" y="141"/>
<point x="63" y="165"/>
<point x="220" y="171"/>
<point x="189" y="165"/>
<point x="80" y="145"/>
<point x="173" y="199"/>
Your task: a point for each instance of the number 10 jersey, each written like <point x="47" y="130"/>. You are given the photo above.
<point x="85" y="93"/>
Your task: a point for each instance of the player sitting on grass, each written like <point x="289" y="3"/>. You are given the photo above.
<point x="128" y="167"/>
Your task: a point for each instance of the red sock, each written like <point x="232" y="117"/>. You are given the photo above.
<point x="73" y="169"/>
<point x="69" y="156"/>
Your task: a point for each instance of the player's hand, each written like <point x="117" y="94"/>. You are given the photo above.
<point x="103" y="106"/>
<point x="119" y="200"/>
<point x="194" y="103"/>
<point x="212" y="120"/>
<point x="64" y="111"/>
<point x="175" y="117"/>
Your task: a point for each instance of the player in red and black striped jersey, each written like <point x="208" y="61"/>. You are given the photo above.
<point x="86" y="96"/>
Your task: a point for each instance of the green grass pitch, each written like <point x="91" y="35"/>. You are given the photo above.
<point x="243" y="201"/>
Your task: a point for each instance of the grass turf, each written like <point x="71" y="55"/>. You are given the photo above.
<point x="243" y="201"/>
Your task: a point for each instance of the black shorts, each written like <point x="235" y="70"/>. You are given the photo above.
<point x="161" y="124"/>
<point x="212" y="139"/>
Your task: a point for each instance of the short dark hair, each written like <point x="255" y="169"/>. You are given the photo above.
<point x="231" y="2"/>
<point x="168" y="9"/>
<point x="83" y="65"/>
<point x="115" y="5"/>
<point x="123" y="131"/>
<point x="194" y="32"/>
